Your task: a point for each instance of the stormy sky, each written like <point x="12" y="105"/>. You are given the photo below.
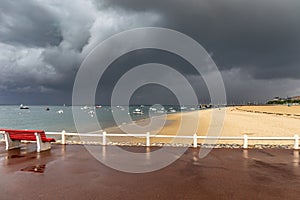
<point x="255" y="44"/>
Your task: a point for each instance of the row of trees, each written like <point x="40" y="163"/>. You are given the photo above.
<point x="284" y="101"/>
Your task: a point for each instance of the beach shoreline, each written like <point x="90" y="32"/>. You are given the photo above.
<point x="253" y="121"/>
<point x="238" y="121"/>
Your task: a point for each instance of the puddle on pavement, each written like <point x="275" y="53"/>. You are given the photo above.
<point x="35" y="169"/>
<point x="16" y="156"/>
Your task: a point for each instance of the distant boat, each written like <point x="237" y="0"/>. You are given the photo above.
<point x="60" y="112"/>
<point x="160" y="111"/>
<point x="98" y="106"/>
<point x="23" y="107"/>
<point x="138" y="111"/>
<point x="91" y="112"/>
<point x="153" y="109"/>
<point x="183" y="108"/>
<point x="121" y="108"/>
<point x="172" y="110"/>
<point x="47" y="109"/>
<point x="85" y="108"/>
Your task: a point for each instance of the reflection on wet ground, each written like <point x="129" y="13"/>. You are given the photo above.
<point x="296" y="159"/>
<point x="35" y="169"/>
<point x="26" y="156"/>
<point x="14" y="156"/>
<point x="70" y="172"/>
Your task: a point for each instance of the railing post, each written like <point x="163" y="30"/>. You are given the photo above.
<point x="195" y="140"/>
<point x="148" y="139"/>
<point x="63" y="137"/>
<point x="296" y="142"/>
<point x="104" y="138"/>
<point x="245" y="146"/>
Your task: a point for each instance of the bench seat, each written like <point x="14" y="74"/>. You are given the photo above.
<point x="13" y="138"/>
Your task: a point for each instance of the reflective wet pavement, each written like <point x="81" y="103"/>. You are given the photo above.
<point x="70" y="172"/>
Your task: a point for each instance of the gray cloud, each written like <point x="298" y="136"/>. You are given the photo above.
<point x="254" y="43"/>
<point x="28" y="23"/>
<point x="42" y="44"/>
<point x="260" y="35"/>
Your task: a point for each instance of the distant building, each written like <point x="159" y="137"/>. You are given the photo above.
<point x="276" y="99"/>
<point x="288" y="100"/>
<point x="296" y="98"/>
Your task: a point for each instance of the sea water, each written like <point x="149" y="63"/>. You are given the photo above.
<point x="60" y="118"/>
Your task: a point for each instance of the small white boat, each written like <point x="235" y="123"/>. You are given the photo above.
<point x="137" y="111"/>
<point x="172" y="110"/>
<point x="91" y="112"/>
<point x="98" y="106"/>
<point x="153" y="109"/>
<point x="120" y="107"/>
<point x="23" y="107"/>
<point x="183" y="108"/>
<point x="60" y="112"/>
<point x="160" y="111"/>
<point x="85" y="108"/>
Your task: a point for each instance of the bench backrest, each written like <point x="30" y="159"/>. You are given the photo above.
<point x="25" y="134"/>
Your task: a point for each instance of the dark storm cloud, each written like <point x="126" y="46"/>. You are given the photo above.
<point x="27" y="23"/>
<point x="254" y="43"/>
<point x="147" y="93"/>
<point x="260" y="36"/>
<point x="42" y="44"/>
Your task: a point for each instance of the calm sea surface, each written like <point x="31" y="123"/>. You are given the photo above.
<point x="60" y="118"/>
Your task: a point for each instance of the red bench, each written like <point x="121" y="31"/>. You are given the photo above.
<point x="13" y="138"/>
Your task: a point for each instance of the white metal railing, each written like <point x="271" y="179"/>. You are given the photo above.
<point x="148" y="136"/>
<point x="195" y="138"/>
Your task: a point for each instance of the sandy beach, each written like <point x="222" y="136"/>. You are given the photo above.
<point x="230" y="121"/>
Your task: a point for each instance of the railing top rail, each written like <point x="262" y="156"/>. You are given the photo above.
<point x="173" y="136"/>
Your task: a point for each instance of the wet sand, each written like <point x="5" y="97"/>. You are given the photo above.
<point x="70" y="172"/>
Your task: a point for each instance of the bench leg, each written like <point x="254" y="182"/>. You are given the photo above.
<point x="11" y="144"/>
<point x="41" y="146"/>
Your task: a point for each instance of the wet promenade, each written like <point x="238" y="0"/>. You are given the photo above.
<point x="70" y="172"/>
